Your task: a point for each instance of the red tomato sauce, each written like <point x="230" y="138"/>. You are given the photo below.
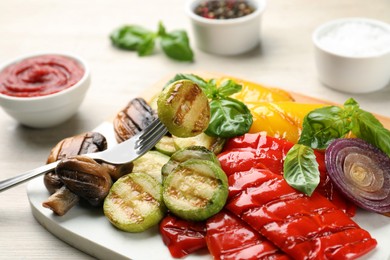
<point x="40" y="76"/>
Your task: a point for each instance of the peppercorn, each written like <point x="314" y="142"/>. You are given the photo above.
<point x="224" y="9"/>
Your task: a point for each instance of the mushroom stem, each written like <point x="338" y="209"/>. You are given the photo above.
<point x="61" y="201"/>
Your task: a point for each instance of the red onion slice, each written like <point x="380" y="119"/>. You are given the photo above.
<point x="361" y="172"/>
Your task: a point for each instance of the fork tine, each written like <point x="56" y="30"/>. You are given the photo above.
<point x="152" y="136"/>
<point x="148" y="134"/>
<point x="146" y="146"/>
<point x="150" y="127"/>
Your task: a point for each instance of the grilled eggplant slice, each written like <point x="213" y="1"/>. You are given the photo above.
<point x="184" y="109"/>
<point x="132" y="119"/>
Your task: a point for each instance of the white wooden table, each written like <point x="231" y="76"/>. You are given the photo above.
<point x="285" y="59"/>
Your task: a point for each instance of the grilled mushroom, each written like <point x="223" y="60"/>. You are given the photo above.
<point x="132" y="119"/>
<point x="86" y="178"/>
<point x="62" y="199"/>
<point x="81" y="177"/>
<point x="118" y="170"/>
<point x="88" y="142"/>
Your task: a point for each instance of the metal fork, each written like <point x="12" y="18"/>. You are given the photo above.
<point x="124" y="152"/>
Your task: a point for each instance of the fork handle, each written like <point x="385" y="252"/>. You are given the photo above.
<point x="8" y="183"/>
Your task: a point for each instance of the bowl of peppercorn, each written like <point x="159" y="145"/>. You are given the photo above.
<point x="226" y="27"/>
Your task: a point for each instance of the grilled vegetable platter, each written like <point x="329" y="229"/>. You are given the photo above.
<point x="245" y="172"/>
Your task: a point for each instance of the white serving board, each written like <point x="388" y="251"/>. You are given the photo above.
<point x="87" y="229"/>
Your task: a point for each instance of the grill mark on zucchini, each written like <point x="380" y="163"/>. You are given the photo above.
<point x="193" y="187"/>
<point x="184" y="115"/>
<point x="200" y="122"/>
<point x="174" y="93"/>
<point x="127" y="212"/>
<point x="187" y="99"/>
<point x="131" y="195"/>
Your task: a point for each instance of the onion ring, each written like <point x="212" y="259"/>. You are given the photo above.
<point x="361" y="172"/>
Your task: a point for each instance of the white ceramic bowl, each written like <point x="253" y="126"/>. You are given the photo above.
<point x="229" y="36"/>
<point x="49" y="110"/>
<point x="353" y="54"/>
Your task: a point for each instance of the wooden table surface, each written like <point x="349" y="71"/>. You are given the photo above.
<point x="285" y="59"/>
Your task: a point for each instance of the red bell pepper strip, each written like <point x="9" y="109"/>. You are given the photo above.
<point x="327" y="189"/>
<point x="264" y="152"/>
<point x="303" y="227"/>
<point x="229" y="238"/>
<point x="249" y="150"/>
<point x="182" y="237"/>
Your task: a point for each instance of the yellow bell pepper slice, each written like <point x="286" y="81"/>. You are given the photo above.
<point x="274" y="110"/>
<point x="280" y="119"/>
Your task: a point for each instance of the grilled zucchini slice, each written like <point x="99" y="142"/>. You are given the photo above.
<point x="184" y="108"/>
<point x="195" y="190"/>
<point x="134" y="203"/>
<point x="191" y="152"/>
<point x="214" y="144"/>
<point x="166" y="145"/>
<point x="151" y="164"/>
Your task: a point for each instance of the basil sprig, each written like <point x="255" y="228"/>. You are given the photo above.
<point x="229" y="117"/>
<point x="323" y="125"/>
<point x="175" y="44"/>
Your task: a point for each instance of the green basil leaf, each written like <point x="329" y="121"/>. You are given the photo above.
<point x="229" y="118"/>
<point x="351" y="104"/>
<point x="194" y="78"/>
<point x="351" y="107"/>
<point x="176" y="46"/>
<point x="161" y="29"/>
<point x="211" y="89"/>
<point x="321" y="126"/>
<point x="212" y="83"/>
<point x="129" y="37"/>
<point x="146" y="47"/>
<point x="229" y="87"/>
<point x="367" y="127"/>
<point x="301" y="169"/>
